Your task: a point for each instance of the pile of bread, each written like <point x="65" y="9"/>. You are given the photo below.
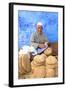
<point x="42" y="66"/>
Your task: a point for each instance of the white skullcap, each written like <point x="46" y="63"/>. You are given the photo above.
<point x="39" y="23"/>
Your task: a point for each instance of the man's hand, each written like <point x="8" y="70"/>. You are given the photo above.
<point x="42" y="46"/>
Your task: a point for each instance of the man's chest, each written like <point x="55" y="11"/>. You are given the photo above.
<point x="39" y="38"/>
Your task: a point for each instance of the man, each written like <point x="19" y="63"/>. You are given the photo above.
<point x="38" y="39"/>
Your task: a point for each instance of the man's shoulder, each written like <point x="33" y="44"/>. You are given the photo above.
<point x="34" y="33"/>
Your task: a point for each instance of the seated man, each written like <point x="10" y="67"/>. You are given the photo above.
<point x="38" y="39"/>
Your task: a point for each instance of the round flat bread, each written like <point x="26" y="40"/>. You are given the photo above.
<point x="50" y="72"/>
<point x="39" y="59"/>
<point x="39" y="72"/>
<point x="43" y="56"/>
<point x="38" y="64"/>
<point x="48" y="51"/>
<point x="26" y="63"/>
<point x="20" y="68"/>
<point x="51" y="60"/>
<point x="52" y="66"/>
<point x="36" y="58"/>
<point x="33" y="65"/>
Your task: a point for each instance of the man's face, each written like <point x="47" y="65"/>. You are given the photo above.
<point x="39" y="28"/>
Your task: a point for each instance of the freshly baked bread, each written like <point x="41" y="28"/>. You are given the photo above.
<point x="39" y="72"/>
<point x="40" y="59"/>
<point x="50" y="72"/>
<point x="26" y="63"/>
<point x="44" y="56"/>
<point x="51" y="60"/>
<point x="44" y="65"/>
<point x="33" y="65"/>
<point x="20" y="67"/>
<point x="48" y="51"/>
<point x="52" y="66"/>
<point x="37" y="59"/>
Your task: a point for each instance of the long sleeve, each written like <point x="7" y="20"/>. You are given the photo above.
<point x="37" y="39"/>
<point x="32" y="41"/>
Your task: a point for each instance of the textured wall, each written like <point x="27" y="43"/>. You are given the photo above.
<point x="27" y="22"/>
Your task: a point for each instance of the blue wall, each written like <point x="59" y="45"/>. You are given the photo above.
<point x="27" y="24"/>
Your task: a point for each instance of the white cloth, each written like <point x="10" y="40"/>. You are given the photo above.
<point x="26" y="50"/>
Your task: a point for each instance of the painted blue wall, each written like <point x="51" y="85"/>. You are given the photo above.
<point x="27" y="24"/>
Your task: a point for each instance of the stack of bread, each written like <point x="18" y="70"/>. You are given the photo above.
<point x="48" y="51"/>
<point x="24" y="65"/>
<point x="51" y="66"/>
<point x="42" y="66"/>
<point x="38" y="66"/>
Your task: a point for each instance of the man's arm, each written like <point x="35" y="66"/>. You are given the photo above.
<point x="34" y="44"/>
<point x="32" y="41"/>
<point x="46" y="40"/>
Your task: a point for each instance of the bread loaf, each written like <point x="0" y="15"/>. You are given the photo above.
<point x="52" y="66"/>
<point x="26" y="63"/>
<point x="50" y="72"/>
<point x="51" y="60"/>
<point x="20" y="67"/>
<point x="40" y="59"/>
<point x="48" y="51"/>
<point x="39" y="72"/>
